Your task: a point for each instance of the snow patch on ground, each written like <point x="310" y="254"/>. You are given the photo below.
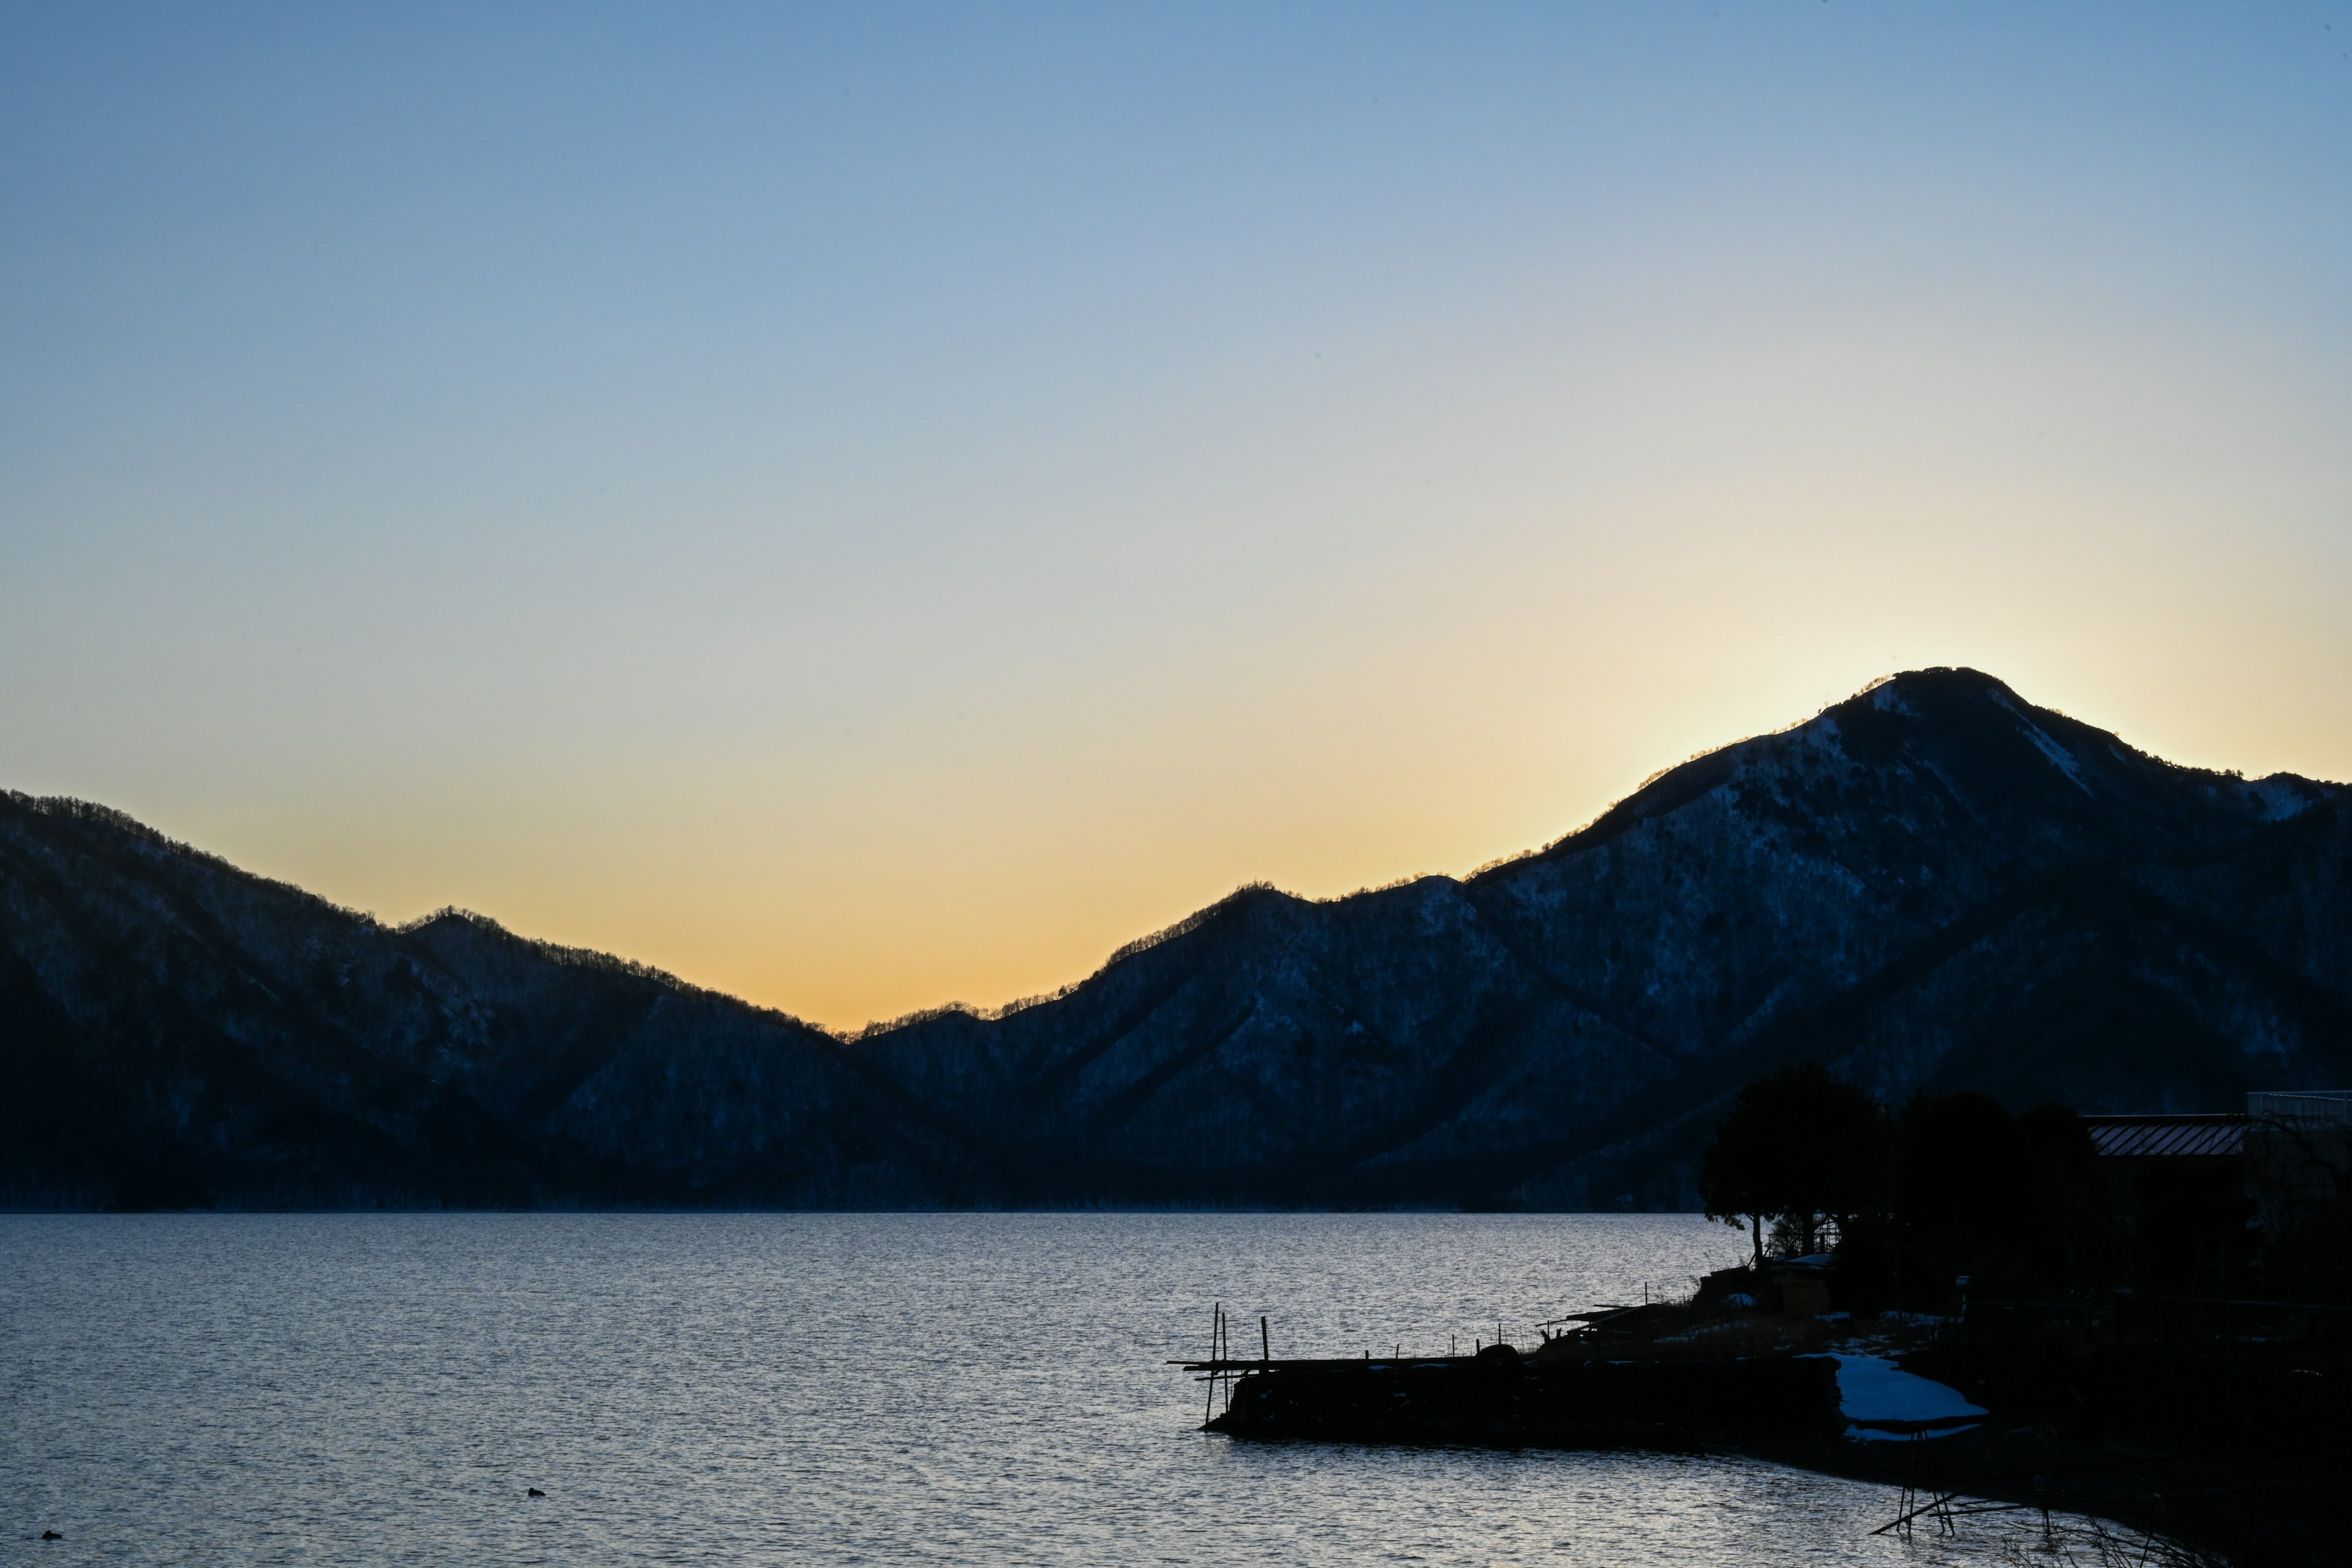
<point x="1872" y="1389"/>
<point x="2059" y="757"/>
<point x="2277" y="797"/>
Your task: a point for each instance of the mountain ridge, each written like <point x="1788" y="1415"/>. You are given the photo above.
<point x="1933" y="883"/>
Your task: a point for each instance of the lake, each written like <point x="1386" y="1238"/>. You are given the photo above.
<point x="968" y="1389"/>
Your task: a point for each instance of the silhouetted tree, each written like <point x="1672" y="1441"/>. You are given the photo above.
<point x="2074" y="1242"/>
<point x="1799" y="1147"/>
<point x="1964" y="1188"/>
<point x="2304" y="1173"/>
<point x="2015" y="1201"/>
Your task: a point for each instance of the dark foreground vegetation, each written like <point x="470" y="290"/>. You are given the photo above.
<point x="1935" y="885"/>
<point x="2165" y="1341"/>
<point x="1956" y="1200"/>
<point x="2238" y="1442"/>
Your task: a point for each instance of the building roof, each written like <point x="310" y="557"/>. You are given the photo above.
<point x="2167" y="1137"/>
<point x="2303" y="1107"/>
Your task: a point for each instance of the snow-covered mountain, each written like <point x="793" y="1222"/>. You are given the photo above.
<point x="1932" y="884"/>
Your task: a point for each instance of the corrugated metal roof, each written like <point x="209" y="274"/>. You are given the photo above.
<point x="2173" y="1137"/>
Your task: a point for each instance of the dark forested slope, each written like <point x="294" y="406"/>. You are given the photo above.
<point x="1934" y="883"/>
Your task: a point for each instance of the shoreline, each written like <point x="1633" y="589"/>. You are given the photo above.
<point x="2219" y="1449"/>
<point x="2165" y="1492"/>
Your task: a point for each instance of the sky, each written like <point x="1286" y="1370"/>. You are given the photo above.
<point x="868" y="506"/>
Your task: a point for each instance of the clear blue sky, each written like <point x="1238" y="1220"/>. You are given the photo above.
<point x="870" y="505"/>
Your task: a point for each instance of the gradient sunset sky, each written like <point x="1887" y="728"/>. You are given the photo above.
<point x="867" y="506"/>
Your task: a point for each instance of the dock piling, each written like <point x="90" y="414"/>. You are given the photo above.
<point x="1216" y="1334"/>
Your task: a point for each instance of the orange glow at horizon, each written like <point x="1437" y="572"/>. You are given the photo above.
<point x="865" y="511"/>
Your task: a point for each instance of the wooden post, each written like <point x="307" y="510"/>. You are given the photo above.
<point x="1264" y="1343"/>
<point x="1209" y="1402"/>
<point x="1225" y="1352"/>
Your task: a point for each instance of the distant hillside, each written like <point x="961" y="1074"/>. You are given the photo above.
<point x="1933" y="884"/>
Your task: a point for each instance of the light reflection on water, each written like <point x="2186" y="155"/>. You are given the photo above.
<point x="836" y="1388"/>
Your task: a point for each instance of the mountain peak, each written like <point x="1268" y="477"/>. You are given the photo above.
<point x="1934" y="883"/>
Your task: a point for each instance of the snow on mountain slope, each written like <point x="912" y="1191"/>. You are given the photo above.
<point x="1933" y="883"/>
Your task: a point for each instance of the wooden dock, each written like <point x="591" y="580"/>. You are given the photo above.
<point x="1499" y="1397"/>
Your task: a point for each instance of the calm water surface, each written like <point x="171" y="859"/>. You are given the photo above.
<point x="825" y="1388"/>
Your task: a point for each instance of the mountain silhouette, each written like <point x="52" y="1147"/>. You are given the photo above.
<point x="1933" y="884"/>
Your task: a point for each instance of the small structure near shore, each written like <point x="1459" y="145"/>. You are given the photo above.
<point x="1804" y="1284"/>
<point x="2298" y="1156"/>
<point x="2195" y="1193"/>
